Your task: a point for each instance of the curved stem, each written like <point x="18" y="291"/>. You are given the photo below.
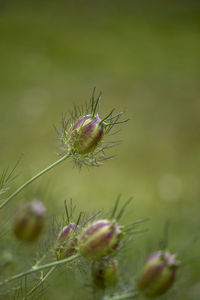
<point x="39" y="268"/>
<point x="33" y="179"/>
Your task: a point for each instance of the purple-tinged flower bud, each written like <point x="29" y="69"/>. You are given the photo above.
<point x="158" y="274"/>
<point x="86" y="134"/>
<point x="100" y="239"/>
<point x="29" y="221"/>
<point x="67" y="241"/>
<point x="105" y="272"/>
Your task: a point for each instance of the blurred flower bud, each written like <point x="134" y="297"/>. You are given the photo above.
<point x="67" y="241"/>
<point x="100" y="239"/>
<point x="86" y="134"/>
<point x="8" y="262"/>
<point x="29" y="221"/>
<point x="158" y="274"/>
<point x="105" y="272"/>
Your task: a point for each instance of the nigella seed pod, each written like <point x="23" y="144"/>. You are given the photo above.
<point x="86" y="134"/>
<point x="29" y="221"/>
<point x="67" y="241"/>
<point x="81" y="135"/>
<point x="158" y="274"/>
<point x="104" y="272"/>
<point x="100" y="239"/>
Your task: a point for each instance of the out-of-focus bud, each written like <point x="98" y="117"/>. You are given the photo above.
<point x="86" y="134"/>
<point x="100" y="239"/>
<point x="158" y="274"/>
<point x="29" y="221"/>
<point x="105" y="272"/>
<point x="67" y="241"/>
<point x="8" y="262"/>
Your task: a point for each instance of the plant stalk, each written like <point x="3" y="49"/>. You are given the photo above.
<point x="129" y="295"/>
<point x="33" y="179"/>
<point x="40" y="282"/>
<point x="39" y="268"/>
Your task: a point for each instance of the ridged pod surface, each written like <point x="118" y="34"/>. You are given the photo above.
<point x="100" y="239"/>
<point x="86" y="134"/>
<point x="67" y="241"/>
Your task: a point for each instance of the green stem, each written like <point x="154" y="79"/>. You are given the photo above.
<point x="40" y="282"/>
<point x="32" y="179"/>
<point x="123" y="296"/>
<point x="39" y="268"/>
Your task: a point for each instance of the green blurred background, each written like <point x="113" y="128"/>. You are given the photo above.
<point x="145" y="57"/>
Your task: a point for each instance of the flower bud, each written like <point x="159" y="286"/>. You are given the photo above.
<point x="158" y="274"/>
<point x="29" y="221"/>
<point x="67" y="241"/>
<point x="86" y="134"/>
<point x="8" y="262"/>
<point x="105" y="273"/>
<point x="100" y="239"/>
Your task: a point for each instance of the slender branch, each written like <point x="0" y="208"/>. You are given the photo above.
<point x="129" y="295"/>
<point x="40" y="282"/>
<point x="33" y="179"/>
<point x="39" y="268"/>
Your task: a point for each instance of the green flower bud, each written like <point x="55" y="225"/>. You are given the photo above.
<point x="100" y="239"/>
<point x="29" y="221"/>
<point x="158" y="274"/>
<point x="86" y="134"/>
<point x="104" y="273"/>
<point x="67" y="241"/>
